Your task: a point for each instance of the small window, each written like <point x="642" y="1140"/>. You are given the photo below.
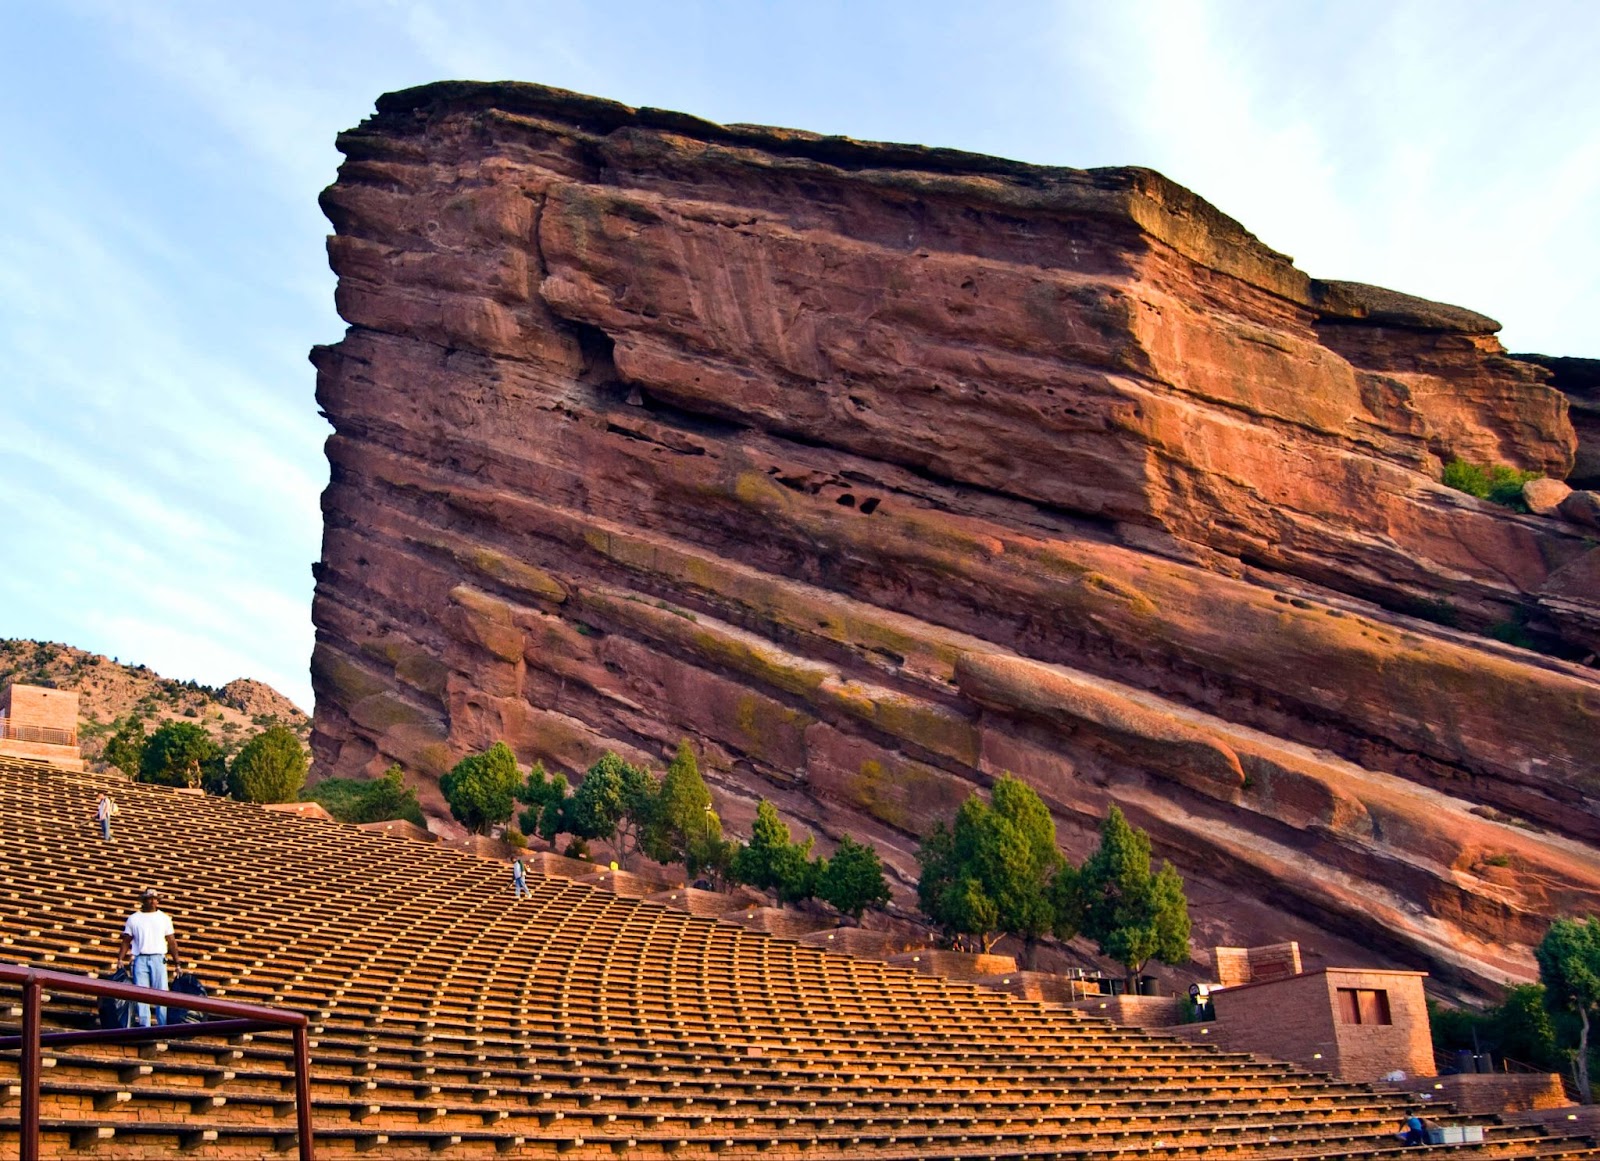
<point x="1364" y="1006"/>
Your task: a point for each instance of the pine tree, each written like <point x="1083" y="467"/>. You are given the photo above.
<point x="770" y="861"/>
<point x="852" y="878"/>
<point x="1136" y="916"/>
<point x="684" y="828"/>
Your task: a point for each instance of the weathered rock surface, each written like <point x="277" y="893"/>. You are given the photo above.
<point x="1579" y="381"/>
<point x="1543" y="496"/>
<point x="878" y="470"/>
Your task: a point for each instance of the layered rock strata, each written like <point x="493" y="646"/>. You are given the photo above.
<point x="878" y="470"/>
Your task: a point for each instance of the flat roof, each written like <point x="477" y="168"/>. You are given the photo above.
<point x="1321" y="971"/>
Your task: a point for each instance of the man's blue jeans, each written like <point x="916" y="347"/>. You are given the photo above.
<point x="105" y="828"/>
<point x="149" y="971"/>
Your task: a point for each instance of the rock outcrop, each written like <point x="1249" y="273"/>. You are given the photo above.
<point x="878" y="470"/>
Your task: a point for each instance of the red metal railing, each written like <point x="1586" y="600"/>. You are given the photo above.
<point x="238" y="1018"/>
<point x="22" y="732"/>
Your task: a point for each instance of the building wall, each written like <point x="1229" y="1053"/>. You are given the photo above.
<point x="1138" y="1011"/>
<point x="1501" y="1092"/>
<point x="1288" y="1019"/>
<point x="55" y="709"/>
<point x="1298" y="1019"/>
<point x="1372" y="1051"/>
<point x="67" y="757"/>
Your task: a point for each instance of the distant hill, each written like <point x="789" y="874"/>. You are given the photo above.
<point x="109" y="692"/>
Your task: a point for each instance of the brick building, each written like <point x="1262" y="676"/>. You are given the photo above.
<point x="1357" y="1023"/>
<point x="41" y="725"/>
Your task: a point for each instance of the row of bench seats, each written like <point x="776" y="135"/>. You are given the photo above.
<point x="449" y="1018"/>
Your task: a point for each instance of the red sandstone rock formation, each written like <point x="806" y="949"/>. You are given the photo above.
<point x="878" y="470"/>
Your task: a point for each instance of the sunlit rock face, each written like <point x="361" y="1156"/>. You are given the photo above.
<point x="876" y="471"/>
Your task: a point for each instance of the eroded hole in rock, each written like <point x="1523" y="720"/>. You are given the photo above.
<point x="847" y="500"/>
<point x="599" y="356"/>
<point x="869" y="505"/>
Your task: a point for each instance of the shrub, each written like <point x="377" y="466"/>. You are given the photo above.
<point x="270" y="768"/>
<point x="481" y="788"/>
<point x="359" y="800"/>
<point x="1498" y="483"/>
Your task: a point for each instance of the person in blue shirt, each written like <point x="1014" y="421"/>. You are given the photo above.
<point x="1412" y="1131"/>
<point x="519" y="879"/>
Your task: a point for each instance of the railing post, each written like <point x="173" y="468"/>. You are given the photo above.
<point x="302" y="1092"/>
<point x="32" y="1065"/>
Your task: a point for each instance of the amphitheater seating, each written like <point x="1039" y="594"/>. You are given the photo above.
<point x="450" y="1020"/>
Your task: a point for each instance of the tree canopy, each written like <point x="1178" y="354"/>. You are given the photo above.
<point x="125" y="748"/>
<point x="180" y="754"/>
<point x="545" y="796"/>
<point x="852" y="878"/>
<point x="1134" y="914"/>
<point x="997" y="870"/>
<point x="482" y="787"/>
<point x="684" y="828"/>
<point x="771" y="861"/>
<point x="375" y="800"/>
<point x="1569" y="966"/>
<point x="271" y="767"/>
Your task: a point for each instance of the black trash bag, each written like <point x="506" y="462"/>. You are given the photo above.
<point x="188" y="984"/>
<point x="114" y="1012"/>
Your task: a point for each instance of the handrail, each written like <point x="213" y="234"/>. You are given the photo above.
<point x="50" y="735"/>
<point x="239" y="1018"/>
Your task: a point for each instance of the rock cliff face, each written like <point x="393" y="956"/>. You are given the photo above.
<point x="878" y="470"/>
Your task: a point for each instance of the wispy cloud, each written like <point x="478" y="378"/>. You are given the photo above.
<point x="1404" y="144"/>
<point x="162" y="272"/>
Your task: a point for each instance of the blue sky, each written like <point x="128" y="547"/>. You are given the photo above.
<point x="162" y="272"/>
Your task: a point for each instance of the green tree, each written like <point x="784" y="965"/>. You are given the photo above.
<point x="271" y="767"/>
<point x="375" y="800"/>
<point x="998" y="871"/>
<point x="771" y="861"/>
<point x="545" y="796"/>
<point x="683" y="826"/>
<point x="125" y="748"/>
<point x="178" y="754"/>
<point x="1523" y="1029"/>
<point x="481" y="788"/>
<point x="1136" y="916"/>
<point x="1569" y="966"/>
<point x="852" y="879"/>
<point x="614" y="801"/>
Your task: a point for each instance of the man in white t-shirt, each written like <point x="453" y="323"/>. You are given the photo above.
<point x="147" y="937"/>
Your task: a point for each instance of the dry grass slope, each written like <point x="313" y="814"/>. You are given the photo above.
<point x="108" y="691"/>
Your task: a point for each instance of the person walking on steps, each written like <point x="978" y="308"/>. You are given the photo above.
<point x="103" y="811"/>
<point x="147" y="937"/>
<point x="519" y="879"/>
